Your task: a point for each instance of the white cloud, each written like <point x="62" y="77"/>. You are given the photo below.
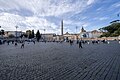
<point x="116" y="5"/>
<point x="46" y="7"/>
<point x="11" y="10"/>
<point x="9" y="21"/>
<point x="85" y="17"/>
<point x="90" y="2"/>
<point x="103" y="18"/>
<point x="99" y="9"/>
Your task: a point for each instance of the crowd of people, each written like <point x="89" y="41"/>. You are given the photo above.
<point x="71" y="42"/>
<point x="82" y="42"/>
<point x="16" y="42"/>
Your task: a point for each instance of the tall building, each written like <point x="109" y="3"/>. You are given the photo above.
<point x="62" y="27"/>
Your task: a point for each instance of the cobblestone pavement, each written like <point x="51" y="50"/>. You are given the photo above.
<point x="60" y="61"/>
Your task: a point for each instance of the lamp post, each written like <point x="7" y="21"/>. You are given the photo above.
<point x="44" y="30"/>
<point x="76" y="33"/>
<point x="16" y="32"/>
<point x="0" y="31"/>
<point x="76" y="29"/>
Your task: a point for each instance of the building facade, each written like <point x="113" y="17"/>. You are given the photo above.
<point x="13" y="33"/>
<point x="68" y="36"/>
<point x="90" y="34"/>
<point x="49" y="36"/>
<point x="83" y="35"/>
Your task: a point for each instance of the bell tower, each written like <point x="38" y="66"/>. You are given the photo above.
<point x="83" y="30"/>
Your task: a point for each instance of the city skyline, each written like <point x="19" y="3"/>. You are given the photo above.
<point x="47" y="14"/>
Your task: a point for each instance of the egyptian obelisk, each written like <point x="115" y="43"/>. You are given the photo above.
<point x="62" y="27"/>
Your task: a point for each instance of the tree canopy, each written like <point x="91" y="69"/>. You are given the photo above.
<point x="32" y="34"/>
<point x="2" y="32"/>
<point x="38" y="35"/>
<point x="112" y="30"/>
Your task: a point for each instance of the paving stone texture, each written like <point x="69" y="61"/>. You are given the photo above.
<point x="60" y="61"/>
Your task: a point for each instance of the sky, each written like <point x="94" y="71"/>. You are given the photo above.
<point x="48" y="14"/>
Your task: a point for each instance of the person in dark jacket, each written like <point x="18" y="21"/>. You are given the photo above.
<point x="22" y="45"/>
<point x="15" y="44"/>
<point x="80" y="44"/>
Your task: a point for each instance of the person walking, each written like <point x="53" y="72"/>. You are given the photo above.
<point x="8" y="42"/>
<point x="80" y="44"/>
<point x="88" y="42"/>
<point x="71" y="42"/>
<point x="12" y="42"/>
<point x="22" y="45"/>
<point x="77" y="42"/>
<point x="119" y="41"/>
<point x="15" y="44"/>
<point x="34" y="42"/>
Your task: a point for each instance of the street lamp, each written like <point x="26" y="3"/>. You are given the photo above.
<point x="16" y="32"/>
<point x="44" y="30"/>
<point x="76" y="33"/>
<point x="76" y="29"/>
<point x="0" y="31"/>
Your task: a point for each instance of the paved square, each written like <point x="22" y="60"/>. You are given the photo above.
<point x="60" y="61"/>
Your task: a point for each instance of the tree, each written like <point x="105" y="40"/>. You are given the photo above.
<point x="2" y="32"/>
<point x="32" y="34"/>
<point x="28" y="33"/>
<point x="115" y="21"/>
<point x="11" y="36"/>
<point x="21" y="36"/>
<point x="38" y="35"/>
<point x="112" y="30"/>
<point x="25" y="35"/>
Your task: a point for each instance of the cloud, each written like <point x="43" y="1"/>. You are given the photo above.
<point x="74" y="23"/>
<point x="9" y="21"/>
<point x="103" y="18"/>
<point x="44" y="7"/>
<point x="116" y="5"/>
<point x="31" y="14"/>
<point x="99" y="9"/>
<point x="90" y="2"/>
